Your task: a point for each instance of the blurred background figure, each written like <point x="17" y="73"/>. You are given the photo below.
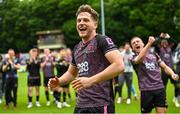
<point x="47" y="65"/>
<point x="62" y="65"/>
<point x="1" y="79"/>
<point x="10" y="67"/>
<point x="177" y="62"/>
<point x="128" y="73"/>
<point x="34" y="78"/>
<point x="165" y="48"/>
<point x="116" y="81"/>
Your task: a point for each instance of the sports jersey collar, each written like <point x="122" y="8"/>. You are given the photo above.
<point x="86" y="43"/>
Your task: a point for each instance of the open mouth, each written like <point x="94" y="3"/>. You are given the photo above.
<point x="137" y="47"/>
<point x="82" y="29"/>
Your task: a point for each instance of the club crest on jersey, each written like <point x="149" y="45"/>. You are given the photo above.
<point x="90" y="48"/>
<point x="109" y="41"/>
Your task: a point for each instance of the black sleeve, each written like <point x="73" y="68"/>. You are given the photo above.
<point x="105" y="43"/>
<point x="159" y="60"/>
<point x="73" y="60"/>
<point x="173" y="43"/>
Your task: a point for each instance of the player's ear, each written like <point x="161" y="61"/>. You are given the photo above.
<point x="95" y="25"/>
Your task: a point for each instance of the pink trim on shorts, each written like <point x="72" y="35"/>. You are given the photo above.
<point x="105" y="109"/>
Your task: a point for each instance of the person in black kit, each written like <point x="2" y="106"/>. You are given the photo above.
<point x="61" y="67"/>
<point x="34" y="79"/>
<point x="177" y="57"/>
<point x="1" y="79"/>
<point x="165" y="49"/>
<point x="64" y="64"/>
<point x="10" y="67"/>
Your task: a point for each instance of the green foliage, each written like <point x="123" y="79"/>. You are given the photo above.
<point x="20" y="20"/>
<point x="71" y="36"/>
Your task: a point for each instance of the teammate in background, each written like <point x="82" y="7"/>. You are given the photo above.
<point x="34" y="78"/>
<point x="58" y="90"/>
<point x="95" y="62"/>
<point x="177" y="60"/>
<point x="1" y="79"/>
<point x="68" y="59"/>
<point x="10" y="67"/>
<point x="116" y="82"/>
<point x="127" y="74"/>
<point x="47" y="66"/>
<point x="165" y="50"/>
<point x="61" y="67"/>
<point x="147" y="66"/>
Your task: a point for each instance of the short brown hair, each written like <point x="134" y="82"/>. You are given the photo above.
<point x="90" y="10"/>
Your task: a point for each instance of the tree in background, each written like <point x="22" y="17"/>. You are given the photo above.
<point x="20" y="20"/>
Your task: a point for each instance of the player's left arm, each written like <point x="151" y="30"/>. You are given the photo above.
<point x="168" y="70"/>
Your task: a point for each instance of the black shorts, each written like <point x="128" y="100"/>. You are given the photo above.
<point x="46" y="79"/>
<point x="151" y="99"/>
<point x="34" y="82"/>
<point x="110" y="109"/>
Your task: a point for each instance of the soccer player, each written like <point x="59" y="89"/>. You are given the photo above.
<point x="95" y="62"/>
<point x="10" y="67"/>
<point x="178" y="72"/>
<point x="47" y="66"/>
<point x="61" y="67"/>
<point x="147" y="66"/>
<point x="34" y="79"/>
<point x="165" y="50"/>
<point x="1" y="79"/>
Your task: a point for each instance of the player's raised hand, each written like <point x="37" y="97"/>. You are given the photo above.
<point x="53" y="82"/>
<point x="151" y="40"/>
<point x="175" y="77"/>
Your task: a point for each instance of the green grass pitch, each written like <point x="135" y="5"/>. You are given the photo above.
<point x="134" y="107"/>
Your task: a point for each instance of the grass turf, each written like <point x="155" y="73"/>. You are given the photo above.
<point x="134" y="107"/>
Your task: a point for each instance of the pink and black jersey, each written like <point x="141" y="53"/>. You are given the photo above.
<point x="166" y="55"/>
<point x="148" y="72"/>
<point x="90" y="59"/>
<point x="48" y="69"/>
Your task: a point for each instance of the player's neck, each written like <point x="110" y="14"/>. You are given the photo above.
<point x="89" y="38"/>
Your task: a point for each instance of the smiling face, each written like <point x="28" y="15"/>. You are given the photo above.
<point x="86" y="25"/>
<point x="137" y="44"/>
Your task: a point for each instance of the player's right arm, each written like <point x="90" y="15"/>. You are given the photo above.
<point x="66" y="78"/>
<point x="169" y="71"/>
